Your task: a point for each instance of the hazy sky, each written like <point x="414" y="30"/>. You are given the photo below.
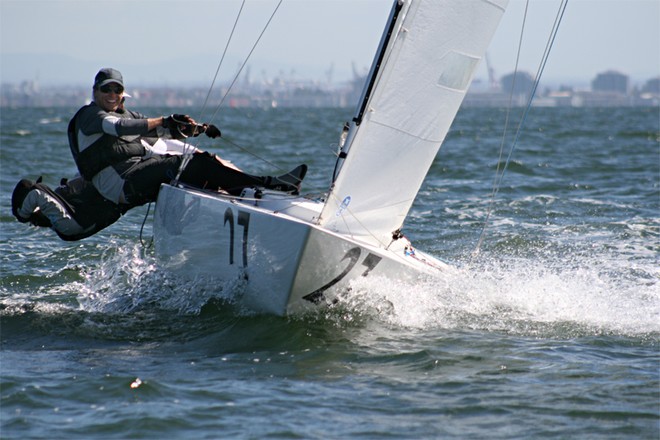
<point x="168" y="42"/>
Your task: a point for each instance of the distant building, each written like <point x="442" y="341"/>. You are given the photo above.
<point x="652" y="86"/>
<point x="610" y="81"/>
<point x="520" y="83"/>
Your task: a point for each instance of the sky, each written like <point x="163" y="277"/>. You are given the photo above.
<point x="175" y="42"/>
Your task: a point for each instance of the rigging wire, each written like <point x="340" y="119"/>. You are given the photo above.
<point x="238" y="73"/>
<point x="254" y="46"/>
<point x="499" y="176"/>
<point x="222" y="59"/>
<point x="496" y="180"/>
<point x="188" y="156"/>
<point x="544" y="60"/>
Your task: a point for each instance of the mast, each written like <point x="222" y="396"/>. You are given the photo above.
<point x="378" y="59"/>
<point x="349" y="129"/>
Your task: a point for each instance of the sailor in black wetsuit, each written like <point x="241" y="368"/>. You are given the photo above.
<point x="109" y="148"/>
<point x="74" y="210"/>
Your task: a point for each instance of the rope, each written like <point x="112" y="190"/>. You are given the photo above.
<point x="497" y="182"/>
<point x="146" y="215"/>
<point x="253" y="154"/>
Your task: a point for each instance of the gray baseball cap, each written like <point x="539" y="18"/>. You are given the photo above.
<point x="108" y="75"/>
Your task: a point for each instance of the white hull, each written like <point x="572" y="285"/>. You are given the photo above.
<point x="285" y="263"/>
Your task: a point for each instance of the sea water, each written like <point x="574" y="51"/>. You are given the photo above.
<point x="550" y="330"/>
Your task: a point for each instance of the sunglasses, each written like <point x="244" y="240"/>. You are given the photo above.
<point x="111" y="89"/>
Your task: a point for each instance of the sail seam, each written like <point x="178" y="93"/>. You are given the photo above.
<point x="492" y="3"/>
<point x="400" y="130"/>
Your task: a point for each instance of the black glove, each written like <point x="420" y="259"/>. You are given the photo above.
<point x="178" y="125"/>
<point x="213" y="132"/>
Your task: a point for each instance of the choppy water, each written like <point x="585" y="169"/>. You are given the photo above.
<point x="552" y="331"/>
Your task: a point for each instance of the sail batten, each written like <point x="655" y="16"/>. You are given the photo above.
<point x="425" y="68"/>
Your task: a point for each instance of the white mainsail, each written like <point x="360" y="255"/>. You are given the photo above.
<point x="424" y="71"/>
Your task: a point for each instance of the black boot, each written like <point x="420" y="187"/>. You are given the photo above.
<point x="289" y="182"/>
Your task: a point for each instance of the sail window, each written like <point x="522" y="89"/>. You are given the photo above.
<point x="457" y="70"/>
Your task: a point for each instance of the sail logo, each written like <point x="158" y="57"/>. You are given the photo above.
<point x="343" y="206"/>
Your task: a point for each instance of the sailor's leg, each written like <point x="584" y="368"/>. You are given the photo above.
<point x="204" y="171"/>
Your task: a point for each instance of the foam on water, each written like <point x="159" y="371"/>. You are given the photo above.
<point x="130" y="280"/>
<point x="563" y="293"/>
<point x="520" y="296"/>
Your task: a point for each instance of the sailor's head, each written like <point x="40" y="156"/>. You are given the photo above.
<point x="108" y="89"/>
<point x="18" y="197"/>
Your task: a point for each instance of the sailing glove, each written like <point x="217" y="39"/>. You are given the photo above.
<point x="179" y="126"/>
<point x="213" y="132"/>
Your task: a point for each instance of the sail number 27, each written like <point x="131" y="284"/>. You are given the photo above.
<point x="352" y="255"/>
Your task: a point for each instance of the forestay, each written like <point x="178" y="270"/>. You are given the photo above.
<point x="426" y="69"/>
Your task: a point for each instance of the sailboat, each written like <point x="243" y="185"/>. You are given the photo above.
<point x="290" y="254"/>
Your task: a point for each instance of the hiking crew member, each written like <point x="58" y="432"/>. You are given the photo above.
<point x="74" y="210"/>
<point x="110" y="150"/>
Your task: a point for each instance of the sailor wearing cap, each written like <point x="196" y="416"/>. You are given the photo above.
<point x="112" y="148"/>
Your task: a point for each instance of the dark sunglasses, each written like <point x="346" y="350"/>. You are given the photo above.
<point x="111" y="89"/>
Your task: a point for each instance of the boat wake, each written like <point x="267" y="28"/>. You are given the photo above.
<point x="130" y="281"/>
<point x="527" y="296"/>
<point x="519" y="296"/>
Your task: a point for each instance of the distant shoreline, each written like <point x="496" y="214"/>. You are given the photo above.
<point x="613" y="92"/>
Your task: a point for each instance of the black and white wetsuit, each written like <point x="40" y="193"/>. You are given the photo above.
<point x="111" y="151"/>
<point x="74" y="210"/>
<point x="105" y="145"/>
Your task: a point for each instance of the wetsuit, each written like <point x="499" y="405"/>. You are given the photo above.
<point x="108" y="150"/>
<point x="74" y="210"/>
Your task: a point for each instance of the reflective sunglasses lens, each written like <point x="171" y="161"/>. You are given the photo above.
<point x="114" y="89"/>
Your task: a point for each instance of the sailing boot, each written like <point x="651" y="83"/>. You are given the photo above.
<point x="289" y="182"/>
